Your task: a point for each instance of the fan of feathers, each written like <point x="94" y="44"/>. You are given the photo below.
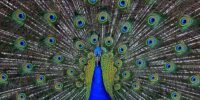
<point x="150" y="49"/>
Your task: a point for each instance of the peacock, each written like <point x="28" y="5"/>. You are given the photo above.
<point x="99" y="50"/>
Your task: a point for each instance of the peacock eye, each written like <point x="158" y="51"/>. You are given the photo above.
<point x="71" y="72"/>
<point x="125" y="27"/>
<point x="79" y="22"/>
<point x="58" y="58"/>
<point x="103" y="17"/>
<point x="122" y="49"/>
<point x="80" y="45"/>
<point x="94" y="39"/>
<point x="21" y="96"/>
<point x="181" y="49"/>
<point x="154" y="78"/>
<point x="175" y="95"/>
<point x="170" y="67"/>
<point x="152" y="42"/>
<point x="20" y="43"/>
<point x="4" y="77"/>
<point x="195" y="80"/>
<point x="92" y="2"/>
<point x="109" y="41"/>
<point x="153" y="19"/>
<point x="141" y="63"/>
<point x="123" y="4"/>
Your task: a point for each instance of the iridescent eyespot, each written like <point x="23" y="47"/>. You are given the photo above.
<point x="51" y="17"/>
<point x="126" y="75"/>
<point x="20" y="44"/>
<point x="22" y="16"/>
<point x="40" y="79"/>
<point x="27" y="68"/>
<point x="21" y="96"/>
<point x="58" y="59"/>
<point x="153" y="78"/>
<point x="141" y="63"/>
<point x="71" y="72"/>
<point x="50" y="41"/>
<point x="108" y="41"/>
<point x="181" y="49"/>
<point x="170" y="67"/>
<point x="58" y="86"/>
<point x="136" y="86"/>
<point x="125" y="27"/>
<point x="92" y="2"/>
<point x="117" y="87"/>
<point x="82" y="61"/>
<point x="175" y="95"/>
<point x="152" y="42"/>
<point x="80" y="45"/>
<point x="122" y="49"/>
<point x="118" y="63"/>
<point x="186" y="21"/>
<point x="103" y="17"/>
<point x="123" y="4"/>
<point x="80" y="22"/>
<point x="195" y="80"/>
<point x="153" y="19"/>
<point x="19" y="16"/>
<point x="4" y="77"/>
<point x="94" y="39"/>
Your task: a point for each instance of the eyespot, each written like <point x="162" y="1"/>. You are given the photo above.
<point x="103" y="17"/>
<point x="153" y="19"/>
<point x="152" y="42"/>
<point x="40" y="79"/>
<point x="50" y="41"/>
<point x="80" y="22"/>
<point x="122" y="49"/>
<point x="185" y="21"/>
<point x="21" y="96"/>
<point x="92" y="2"/>
<point x="117" y="87"/>
<point x="125" y="27"/>
<point x="20" y="43"/>
<point x="82" y="76"/>
<point x="71" y="72"/>
<point x="19" y="16"/>
<point x="108" y="41"/>
<point x="175" y="95"/>
<point x="58" y="86"/>
<point x="123" y="4"/>
<point x="126" y="75"/>
<point x="51" y="17"/>
<point x="58" y="59"/>
<point x="94" y="39"/>
<point x="154" y="78"/>
<point x="27" y="68"/>
<point x="181" y="49"/>
<point x="141" y="63"/>
<point x="118" y="63"/>
<point x="136" y="86"/>
<point x="4" y="77"/>
<point x="170" y="67"/>
<point x="195" y="80"/>
<point x="82" y="61"/>
<point x="80" y="45"/>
